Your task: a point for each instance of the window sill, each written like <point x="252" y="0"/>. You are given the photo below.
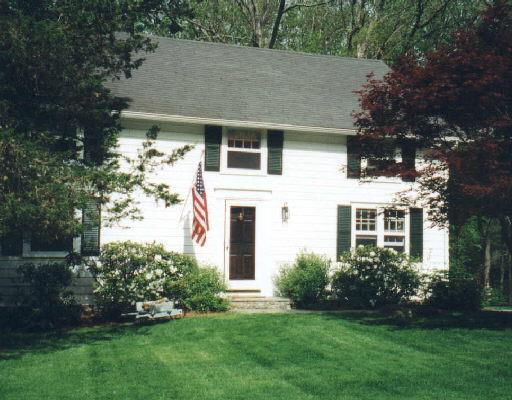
<point x="242" y="172"/>
<point x="46" y="254"/>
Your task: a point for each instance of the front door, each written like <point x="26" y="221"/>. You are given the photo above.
<point x="242" y="243"/>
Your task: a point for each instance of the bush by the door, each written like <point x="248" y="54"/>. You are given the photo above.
<point x="305" y="281"/>
<point x="371" y="277"/>
<point x="199" y="289"/>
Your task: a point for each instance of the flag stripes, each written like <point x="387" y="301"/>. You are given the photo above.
<point x="200" y="209"/>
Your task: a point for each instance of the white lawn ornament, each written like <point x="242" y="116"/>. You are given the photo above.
<point x="151" y="310"/>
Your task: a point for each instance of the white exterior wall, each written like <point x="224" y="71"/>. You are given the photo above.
<point x="313" y="184"/>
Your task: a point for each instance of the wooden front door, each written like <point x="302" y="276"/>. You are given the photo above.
<point x="242" y="242"/>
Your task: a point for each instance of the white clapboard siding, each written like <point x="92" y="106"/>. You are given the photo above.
<point x="313" y="184"/>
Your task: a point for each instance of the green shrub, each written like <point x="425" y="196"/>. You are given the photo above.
<point x="200" y="289"/>
<point x="372" y="277"/>
<point x="494" y="297"/>
<point x="453" y="291"/>
<point x="44" y="297"/>
<point x="127" y="272"/>
<point x="305" y="281"/>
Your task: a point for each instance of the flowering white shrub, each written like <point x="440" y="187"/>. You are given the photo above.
<point x="374" y="277"/>
<point x="126" y="272"/>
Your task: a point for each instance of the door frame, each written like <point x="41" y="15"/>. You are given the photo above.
<point x="245" y="284"/>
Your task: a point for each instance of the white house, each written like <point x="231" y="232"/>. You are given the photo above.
<point x="279" y="171"/>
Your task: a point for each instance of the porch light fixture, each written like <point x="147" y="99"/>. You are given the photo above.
<point x="285" y="213"/>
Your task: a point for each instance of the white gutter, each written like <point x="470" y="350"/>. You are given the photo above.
<point x="229" y="122"/>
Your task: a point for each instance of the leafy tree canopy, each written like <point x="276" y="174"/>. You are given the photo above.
<point x="382" y="29"/>
<point x="59" y="122"/>
<point x="456" y="102"/>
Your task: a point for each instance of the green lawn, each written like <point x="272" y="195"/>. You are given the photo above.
<point x="265" y="356"/>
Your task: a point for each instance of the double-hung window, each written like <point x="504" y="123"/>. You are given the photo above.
<point x="394" y="230"/>
<point x="386" y="228"/>
<point x="366" y="227"/>
<point x="244" y="149"/>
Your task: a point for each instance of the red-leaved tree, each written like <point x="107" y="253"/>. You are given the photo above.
<point x="455" y="104"/>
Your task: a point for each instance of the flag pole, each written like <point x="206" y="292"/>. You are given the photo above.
<point x="190" y="188"/>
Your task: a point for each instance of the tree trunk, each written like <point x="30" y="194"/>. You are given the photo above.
<point x="509" y="259"/>
<point x="502" y="272"/>
<point x="277" y="23"/>
<point x="506" y="232"/>
<point x="487" y="260"/>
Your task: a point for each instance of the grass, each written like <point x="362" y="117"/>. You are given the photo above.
<point x="266" y="356"/>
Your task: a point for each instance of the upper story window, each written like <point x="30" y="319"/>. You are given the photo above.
<point x="244" y="149"/>
<point x="366" y="219"/>
<point x="385" y="157"/>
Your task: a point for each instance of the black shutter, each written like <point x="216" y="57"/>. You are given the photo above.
<point x="212" y="141"/>
<point x="353" y="158"/>
<point x="275" y="141"/>
<point x="409" y="159"/>
<point x="344" y="230"/>
<point x="416" y="233"/>
<point x="91" y="223"/>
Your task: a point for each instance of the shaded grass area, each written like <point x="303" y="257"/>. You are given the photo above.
<point x="267" y="356"/>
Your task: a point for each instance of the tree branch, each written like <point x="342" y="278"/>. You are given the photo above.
<point x="277" y="23"/>
<point x="323" y="3"/>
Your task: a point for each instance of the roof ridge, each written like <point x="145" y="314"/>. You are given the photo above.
<point x="264" y="49"/>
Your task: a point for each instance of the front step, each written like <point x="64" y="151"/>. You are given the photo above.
<point x="259" y="303"/>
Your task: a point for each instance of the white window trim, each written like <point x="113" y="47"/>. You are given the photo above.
<point x="28" y="253"/>
<point x="224" y="170"/>
<point x="379" y="232"/>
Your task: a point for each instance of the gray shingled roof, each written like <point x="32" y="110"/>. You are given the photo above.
<point x="219" y="81"/>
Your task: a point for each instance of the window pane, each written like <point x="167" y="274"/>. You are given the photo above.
<point x="53" y="244"/>
<point x="366" y="219"/>
<point x="240" y="159"/>
<point x="366" y="241"/>
<point x="394" y="220"/>
<point x="384" y="158"/>
<point x="395" y="242"/>
<point x="244" y="139"/>
<point x="398" y="249"/>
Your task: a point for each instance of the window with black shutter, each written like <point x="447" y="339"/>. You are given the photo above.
<point x="409" y="160"/>
<point x="353" y="158"/>
<point x="212" y="143"/>
<point x="275" y="141"/>
<point x="344" y="230"/>
<point x="91" y="225"/>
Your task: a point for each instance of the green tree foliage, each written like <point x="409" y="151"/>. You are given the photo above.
<point x="455" y="102"/>
<point x="60" y="123"/>
<point x="381" y="29"/>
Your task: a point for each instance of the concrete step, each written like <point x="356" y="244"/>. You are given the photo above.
<point x="259" y="303"/>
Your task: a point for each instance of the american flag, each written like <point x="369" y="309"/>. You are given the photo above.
<point x="200" y="209"/>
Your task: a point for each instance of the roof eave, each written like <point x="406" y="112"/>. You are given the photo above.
<point x="137" y="115"/>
